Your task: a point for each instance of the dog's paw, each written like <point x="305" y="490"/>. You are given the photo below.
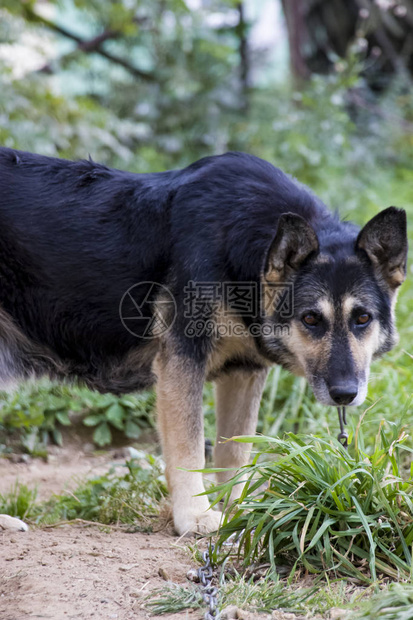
<point x="197" y="523"/>
<point x="13" y="524"/>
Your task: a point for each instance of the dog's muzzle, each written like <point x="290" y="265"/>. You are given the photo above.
<point x="344" y="393"/>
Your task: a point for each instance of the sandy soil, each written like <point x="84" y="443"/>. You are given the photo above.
<point x="78" y="571"/>
<point x="84" y="573"/>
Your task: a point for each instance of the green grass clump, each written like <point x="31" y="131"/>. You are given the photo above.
<point x="264" y="595"/>
<point x="173" y="598"/>
<point x="19" y="502"/>
<point x="133" y="497"/>
<point x="311" y="504"/>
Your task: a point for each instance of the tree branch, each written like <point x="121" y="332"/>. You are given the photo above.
<point x="93" y="45"/>
<point x="241" y="31"/>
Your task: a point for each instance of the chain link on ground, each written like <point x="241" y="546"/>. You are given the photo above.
<point x="204" y="576"/>
<point x="209" y="592"/>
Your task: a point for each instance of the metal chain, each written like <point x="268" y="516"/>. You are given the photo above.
<point x="204" y="576"/>
<point x="342" y="436"/>
<point x="209" y="592"/>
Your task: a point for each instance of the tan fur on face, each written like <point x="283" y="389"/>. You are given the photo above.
<point x="363" y="349"/>
<point x="326" y="308"/>
<point x="305" y="348"/>
<point x="348" y="303"/>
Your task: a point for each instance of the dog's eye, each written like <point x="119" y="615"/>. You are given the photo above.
<point x="363" y="319"/>
<point x="310" y="319"/>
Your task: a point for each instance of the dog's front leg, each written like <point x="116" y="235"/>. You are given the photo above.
<point x="180" y="424"/>
<point x="238" y="399"/>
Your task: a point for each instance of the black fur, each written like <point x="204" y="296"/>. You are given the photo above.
<point x="74" y="236"/>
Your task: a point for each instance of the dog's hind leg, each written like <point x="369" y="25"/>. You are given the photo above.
<point x="180" y="424"/>
<point x="238" y="398"/>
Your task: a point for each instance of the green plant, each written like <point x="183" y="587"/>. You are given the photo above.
<point x="265" y="594"/>
<point x="129" y="414"/>
<point x="20" y="502"/>
<point x="173" y="598"/>
<point x="310" y="503"/>
<point x="37" y="412"/>
<point x="249" y="594"/>
<point x="128" y="494"/>
<point x="115" y="497"/>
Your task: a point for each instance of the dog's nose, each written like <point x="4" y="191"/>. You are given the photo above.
<point x="344" y="394"/>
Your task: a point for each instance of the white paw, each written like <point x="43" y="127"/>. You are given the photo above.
<point x="197" y="522"/>
<point x="12" y="523"/>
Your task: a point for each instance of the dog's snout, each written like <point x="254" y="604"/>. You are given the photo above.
<point x="344" y="393"/>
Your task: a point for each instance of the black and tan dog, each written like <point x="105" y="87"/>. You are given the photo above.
<point x="213" y="272"/>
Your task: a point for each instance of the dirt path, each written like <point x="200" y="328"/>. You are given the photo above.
<point x="84" y="573"/>
<point x="80" y="572"/>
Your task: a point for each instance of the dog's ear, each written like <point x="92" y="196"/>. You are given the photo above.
<point x="384" y="239"/>
<point x="294" y="241"/>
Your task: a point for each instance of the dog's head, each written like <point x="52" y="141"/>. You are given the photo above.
<point x="344" y="291"/>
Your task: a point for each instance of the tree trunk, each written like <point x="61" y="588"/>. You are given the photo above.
<point x="297" y="36"/>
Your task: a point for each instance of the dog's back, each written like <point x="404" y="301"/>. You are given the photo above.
<point x="74" y="236"/>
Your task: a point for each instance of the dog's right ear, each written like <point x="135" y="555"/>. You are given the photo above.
<point x="384" y="239"/>
<point x="293" y="243"/>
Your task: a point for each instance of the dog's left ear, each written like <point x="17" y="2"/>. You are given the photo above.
<point x="293" y="243"/>
<point x="384" y="239"/>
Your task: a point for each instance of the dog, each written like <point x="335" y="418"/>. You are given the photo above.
<point x="215" y="272"/>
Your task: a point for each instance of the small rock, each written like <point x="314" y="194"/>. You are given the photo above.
<point x="192" y="575"/>
<point x="229" y="612"/>
<point x="13" y="524"/>
<point x="281" y="615"/>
